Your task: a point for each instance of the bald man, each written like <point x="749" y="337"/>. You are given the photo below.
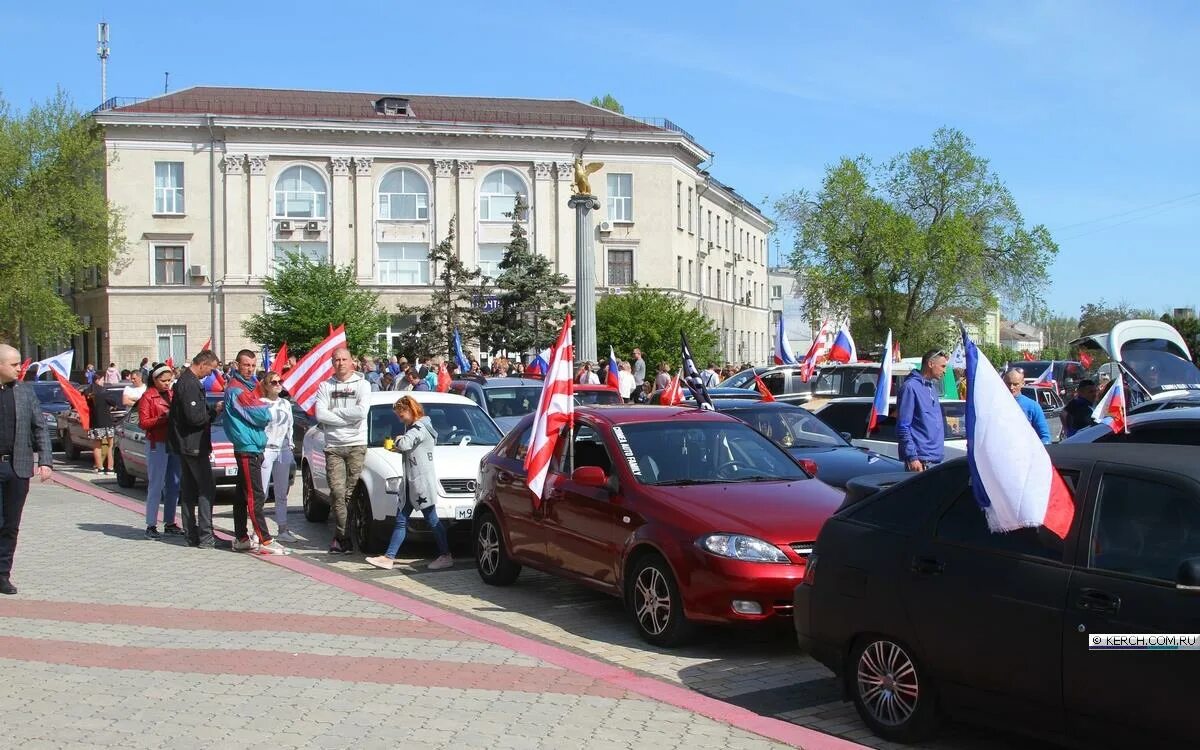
<point x="1015" y="380"/>
<point x="342" y="416"/>
<point x="22" y="433"/>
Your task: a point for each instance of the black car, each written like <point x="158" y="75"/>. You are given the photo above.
<point x="54" y="402"/>
<point x="716" y="392"/>
<point x="803" y="434"/>
<point x="923" y="613"/>
<point x="1172" y="426"/>
<point x="1181" y="400"/>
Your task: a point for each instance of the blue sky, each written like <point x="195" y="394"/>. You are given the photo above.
<point x="1089" y="111"/>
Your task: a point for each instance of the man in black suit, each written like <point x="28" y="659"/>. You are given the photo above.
<point x="22" y="433"/>
<point x="189" y="437"/>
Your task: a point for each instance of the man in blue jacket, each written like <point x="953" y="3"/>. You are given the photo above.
<point x="246" y="420"/>
<point x="920" y="427"/>
<point x="1015" y="380"/>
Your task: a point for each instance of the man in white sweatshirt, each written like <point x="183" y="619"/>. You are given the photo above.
<point x="342" y="415"/>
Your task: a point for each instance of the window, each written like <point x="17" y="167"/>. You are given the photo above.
<point x="828" y="383"/>
<point x="589" y="450"/>
<point x="300" y="194"/>
<point x="172" y="344"/>
<point x="1144" y="528"/>
<point x="689" y="276"/>
<point x="498" y="195"/>
<point x="403" y="263"/>
<point x="168" y="187"/>
<point x="905" y="507"/>
<point x="679" y="205"/>
<point x="317" y="252"/>
<point x="520" y="447"/>
<point x="777" y="291"/>
<point x="620" y="267"/>
<point x="168" y="265"/>
<point x="720" y="289"/>
<point x="489" y="260"/>
<point x="620" y="197"/>
<point x="689" y="224"/>
<point x="404" y="196"/>
<point x="708" y="233"/>
<point x="709" y="285"/>
<point x="964" y="523"/>
<point x="728" y="234"/>
<point x="679" y="272"/>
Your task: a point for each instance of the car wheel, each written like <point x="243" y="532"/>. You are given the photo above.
<point x="124" y="478"/>
<point x="368" y="535"/>
<point x="315" y="509"/>
<point x="495" y="567"/>
<point x="656" y="603"/>
<point x="70" y="449"/>
<point x="893" y="695"/>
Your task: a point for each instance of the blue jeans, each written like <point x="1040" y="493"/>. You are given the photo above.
<point x="162" y="483"/>
<point x="401" y="529"/>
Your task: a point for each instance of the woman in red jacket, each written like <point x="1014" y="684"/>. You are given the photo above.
<point x="162" y="466"/>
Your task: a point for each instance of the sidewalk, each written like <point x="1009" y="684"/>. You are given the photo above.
<point x="116" y="640"/>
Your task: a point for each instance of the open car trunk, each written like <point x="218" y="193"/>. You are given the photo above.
<point x="1151" y="354"/>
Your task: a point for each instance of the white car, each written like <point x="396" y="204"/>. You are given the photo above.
<point x="465" y="434"/>
<point x="849" y="416"/>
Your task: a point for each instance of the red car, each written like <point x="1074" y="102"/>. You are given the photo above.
<point x="596" y="395"/>
<point x="689" y="516"/>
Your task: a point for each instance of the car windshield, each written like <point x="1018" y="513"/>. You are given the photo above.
<point x="955" y="415"/>
<point x="790" y="428"/>
<point x="49" y="393"/>
<point x="670" y="453"/>
<point x="1158" y="366"/>
<point x="512" y="401"/>
<point x="453" y="423"/>
<point x="1031" y="369"/>
<point x="588" y="398"/>
<point x="743" y="379"/>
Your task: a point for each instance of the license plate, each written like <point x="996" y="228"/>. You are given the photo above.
<point x="463" y="514"/>
<point x="231" y="471"/>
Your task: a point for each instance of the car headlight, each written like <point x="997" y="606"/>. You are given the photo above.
<point x="50" y="419"/>
<point x="746" y="548"/>
<point x="391" y="485"/>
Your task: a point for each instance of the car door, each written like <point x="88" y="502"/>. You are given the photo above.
<point x="132" y="439"/>
<point x="314" y="450"/>
<point x="1144" y="524"/>
<point x="988" y="610"/>
<point x="585" y="530"/>
<point x="522" y="522"/>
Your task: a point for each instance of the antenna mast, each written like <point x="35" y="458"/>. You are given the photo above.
<point x="102" y="53"/>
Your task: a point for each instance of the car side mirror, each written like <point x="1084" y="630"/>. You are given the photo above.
<point x="1188" y="577"/>
<point x="846" y="436"/>
<point x="590" y="476"/>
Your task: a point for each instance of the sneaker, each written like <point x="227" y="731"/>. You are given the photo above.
<point x="285" y="535"/>
<point x="95" y="469"/>
<point x="442" y="562"/>
<point x="382" y="562"/>
<point x="106" y="471"/>
<point x="152" y="533"/>
<point x="243" y="545"/>
<point x="172" y="529"/>
<point x="272" y="547"/>
<point x="335" y="547"/>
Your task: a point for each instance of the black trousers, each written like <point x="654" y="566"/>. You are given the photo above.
<point x="253" y="499"/>
<point x="196" y="491"/>
<point x="13" y="490"/>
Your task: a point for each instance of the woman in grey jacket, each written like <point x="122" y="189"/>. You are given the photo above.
<point x="420" y="484"/>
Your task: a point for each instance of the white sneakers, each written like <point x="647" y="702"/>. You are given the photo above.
<point x="286" y="535"/>
<point x="382" y="562"/>
<point x="272" y="548"/>
<point x="243" y="545"/>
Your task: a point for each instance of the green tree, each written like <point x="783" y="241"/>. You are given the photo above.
<point x="651" y="320"/>
<point x="1189" y="328"/>
<point x="532" y="305"/>
<point x="55" y="222"/>
<point x="608" y="102"/>
<point x="1100" y="317"/>
<point x="456" y="302"/>
<point x="933" y="234"/>
<point x="306" y="297"/>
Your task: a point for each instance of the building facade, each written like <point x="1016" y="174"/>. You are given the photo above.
<point x="217" y="184"/>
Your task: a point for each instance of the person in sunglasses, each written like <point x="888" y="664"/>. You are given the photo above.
<point x="920" y="427"/>
<point x="278" y="458"/>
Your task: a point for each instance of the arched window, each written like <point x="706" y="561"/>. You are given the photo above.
<point x="498" y="195"/>
<point x="404" y="196"/>
<point x="300" y="194"/>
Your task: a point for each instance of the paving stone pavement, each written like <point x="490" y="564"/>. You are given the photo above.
<point x="763" y="672"/>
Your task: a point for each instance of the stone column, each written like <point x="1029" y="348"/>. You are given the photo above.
<point x="585" y="277"/>
<point x="237" y="259"/>
<point x="465" y="226"/>
<point x="563" y="253"/>
<point x="341" y="214"/>
<point x="541" y="223"/>
<point x="444" y="204"/>
<point x="260" y="210"/>
<point x="364" y="220"/>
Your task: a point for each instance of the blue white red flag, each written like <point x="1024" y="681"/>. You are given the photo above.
<point x="843" y="347"/>
<point x="783" y="349"/>
<point x="540" y="365"/>
<point x="612" y="379"/>
<point x="1111" y="409"/>
<point x="883" y="389"/>
<point x="1046" y="379"/>
<point x="460" y="359"/>
<point x="1012" y="477"/>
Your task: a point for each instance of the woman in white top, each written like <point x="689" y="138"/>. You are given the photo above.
<point x="277" y="459"/>
<point x="625" y="381"/>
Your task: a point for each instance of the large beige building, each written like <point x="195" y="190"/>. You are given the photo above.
<point x="215" y="184"/>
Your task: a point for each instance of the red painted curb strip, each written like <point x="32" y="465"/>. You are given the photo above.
<point x="664" y="692"/>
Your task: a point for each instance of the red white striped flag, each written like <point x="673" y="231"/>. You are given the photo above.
<point x="313" y="369"/>
<point x="556" y="410"/>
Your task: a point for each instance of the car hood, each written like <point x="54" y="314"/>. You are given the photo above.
<point x="777" y="512"/>
<point x="450" y="461"/>
<point x="838" y="465"/>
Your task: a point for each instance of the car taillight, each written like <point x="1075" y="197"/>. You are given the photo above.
<point x="810" y="570"/>
<point x="809" y="465"/>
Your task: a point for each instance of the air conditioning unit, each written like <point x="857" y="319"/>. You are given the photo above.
<point x="312" y="226"/>
<point x="614" y="290"/>
<point x="197" y="272"/>
<point x="606" y="226"/>
<point x="284" y="226"/>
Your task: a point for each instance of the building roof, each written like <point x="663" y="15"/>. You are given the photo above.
<point x="342" y="105"/>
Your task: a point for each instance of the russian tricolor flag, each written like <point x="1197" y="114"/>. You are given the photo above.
<point x="1012" y="477"/>
<point x="1111" y="409"/>
<point x="783" y="349"/>
<point x="1046" y="379"/>
<point x="611" y="379"/>
<point x="843" y="347"/>
<point x="540" y="364"/>
<point x="883" y="389"/>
